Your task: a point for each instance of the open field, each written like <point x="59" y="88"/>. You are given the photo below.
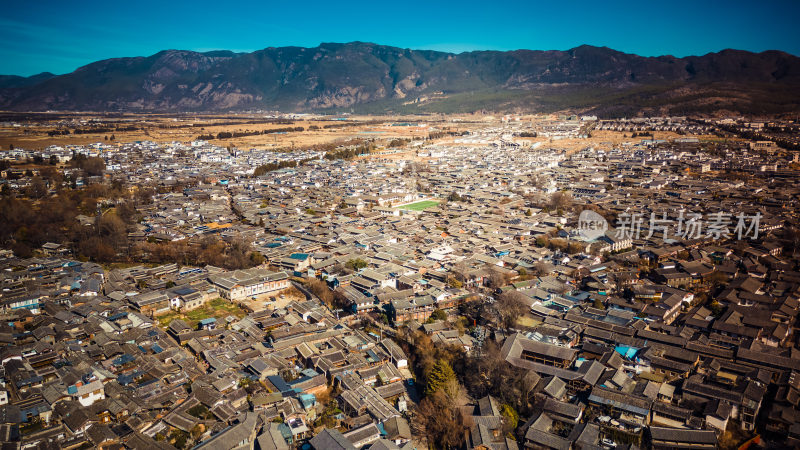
<point x="605" y="139"/>
<point x="601" y="139"/>
<point x="33" y="131"/>
<point x="528" y="321"/>
<point x="419" y="206"/>
<point x="281" y="299"/>
<point x="218" y="308"/>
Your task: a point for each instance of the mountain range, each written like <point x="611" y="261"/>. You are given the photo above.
<point x="371" y="78"/>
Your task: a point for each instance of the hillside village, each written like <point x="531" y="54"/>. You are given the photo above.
<point x="441" y="294"/>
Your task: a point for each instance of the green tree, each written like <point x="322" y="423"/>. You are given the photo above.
<point x="454" y="197"/>
<point x="716" y="308"/>
<point x="438" y="314"/>
<point x="441" y="378"/>
<point x="179" y="438"/>
<point x="454" y="283"/>
<point x="356" y="264"/>
<point x="198" y="431"/>
<point x="510" y="416"/>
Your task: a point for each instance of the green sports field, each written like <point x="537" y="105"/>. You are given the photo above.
<point x="420" y="206"/>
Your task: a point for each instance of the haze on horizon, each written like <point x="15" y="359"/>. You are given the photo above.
<point x="59" y="37"/>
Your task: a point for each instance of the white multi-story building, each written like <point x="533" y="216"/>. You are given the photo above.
<point x="242" y="284"/>
<point x="87" y="394"/>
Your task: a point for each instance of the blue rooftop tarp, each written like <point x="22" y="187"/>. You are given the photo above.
<point x="625" y="351"/>
<point x="310" y="373"/>
<point x="279" y="383"/>
<point x="119" y="315"/>
<point x="308" y="400"/>
<point x="184" y="290"/>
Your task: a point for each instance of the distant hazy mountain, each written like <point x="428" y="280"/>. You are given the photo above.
<point x="15" y="81"/>
<point x="366" y="77"/>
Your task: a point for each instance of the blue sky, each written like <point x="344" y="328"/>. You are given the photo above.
<point x="59" y="36"/>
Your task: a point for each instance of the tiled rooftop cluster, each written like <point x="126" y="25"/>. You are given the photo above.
<point x="636" y="337"/>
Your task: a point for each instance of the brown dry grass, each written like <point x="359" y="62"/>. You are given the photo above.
<point x="35" y="137"/>
<point x="606" y="140"/>
<point x="601" y="139"/>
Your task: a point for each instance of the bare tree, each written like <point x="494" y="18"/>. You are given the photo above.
<point x="560" y="200"/>
<point x="536" y="181"/>
<point x="497" y="278"/>
<point x="510" y="306"/>
<point x="440" y="421"/>
<point x="321" y="290"/>
<point x="542" y="268"/>
<point x="37" y="188"/>
<point x="459" y="270"/>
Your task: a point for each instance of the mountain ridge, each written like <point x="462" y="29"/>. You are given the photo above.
<point x="362" y="76"/>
